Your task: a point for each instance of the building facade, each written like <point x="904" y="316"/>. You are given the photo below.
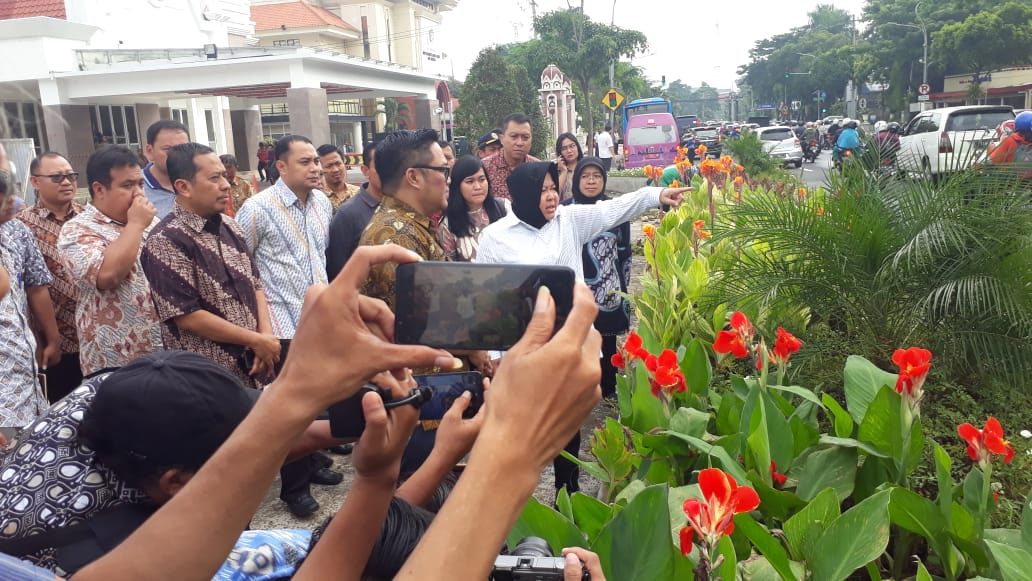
<point x="558" y="104"/>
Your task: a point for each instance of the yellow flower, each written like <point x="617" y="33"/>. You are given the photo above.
<point x="649" y="230"/>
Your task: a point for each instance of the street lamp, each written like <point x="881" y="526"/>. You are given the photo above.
<point x="814" y="57"/>
<point x="924" y="33"/>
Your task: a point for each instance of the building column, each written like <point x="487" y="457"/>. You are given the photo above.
<point x="147" y="114"/>
<point x="70" y="132"/>
<point x="357" y="143"/>
<point x="247" y="132"/>
<point x="424" y="115"/>
<point x="309" y="113"/>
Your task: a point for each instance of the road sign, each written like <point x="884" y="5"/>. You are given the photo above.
<point x="612" y="99"/>
<point x="862" y="102"/>
<point x="922" y="97"/>
<point x="924" y="88"/>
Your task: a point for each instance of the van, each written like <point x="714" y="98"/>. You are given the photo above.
<point x="949" y="139"/>
<point x="650" y="139"/>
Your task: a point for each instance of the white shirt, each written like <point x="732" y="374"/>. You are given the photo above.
<point x="605" y="142"/>
<point x="559" y="242"/>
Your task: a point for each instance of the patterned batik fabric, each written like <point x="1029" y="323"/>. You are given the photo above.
<point x="241" y="191"/>
<point x="198" y="264"/>
<point x="265" y="555"/>
<point x="338" y="197"/>
<point x="114" y="326"/>
<point x="395" y="222"/>
<point x="21" y="397"/>
<point x="498" y="173"/>
<point x="46" y="227"/>
<point x="288" y="240"/>
<point x="48" y="480"/>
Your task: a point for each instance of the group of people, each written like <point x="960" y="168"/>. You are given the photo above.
<point x="178" y="315"/>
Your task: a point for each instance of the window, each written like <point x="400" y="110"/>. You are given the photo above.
<point x="653" y="135"/>
<point x="978" y="119"/>
<point x="780" y="134"/>
<point x="287" y="42"/>
<point x="115" y="124"/>
<point x="209" y="120"/>
<point x="182" y="116"/>
<point x="20" y="121"/>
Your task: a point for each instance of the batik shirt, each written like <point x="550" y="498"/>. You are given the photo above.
<point x="241" y="191"/>
<point x="288" y="240"/>
<point x="21" y="397"/>
<point x="265" y="555"/>
<point x="195" y="264"/>
<point x="46" y="227"/>
<point x="114" y="326"/>
<point x="338" y="197"/>
<point x="395" y="222"/>
<point x="498" y="172"/>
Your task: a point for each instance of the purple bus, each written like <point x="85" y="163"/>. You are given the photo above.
<point x="650" y="139"/>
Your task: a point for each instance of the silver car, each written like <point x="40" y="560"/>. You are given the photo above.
<point x="781" y="143"/>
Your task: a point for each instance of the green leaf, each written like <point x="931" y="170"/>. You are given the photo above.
<point x="1014" y="563"/>
<point x="922" y="573"/>
<point x="675" y="500"/>
<point x="918" y="515"/>
<point x="1009" y="537"/>
<point x="538" y="520"/>
<point x="854" y="539"/>
<point x="627" y="494"/>
<point x="807" y="525"/>
<point x="943" y="465"/>
<point x="833" y="467"/>
<point x="775" y="503"/>
<point x="636" y="545"/>
<point x="719" y="317"/>
<point x="729" y="414"/>
<point x="863" y="380"/>
<point x="802" y="392"/>
<point x="843" y="421"/>
<point x="689" y="421"/>
<point x="698" y="371"/>
<point x="770" y="437"/>
<point x="851" y="443"/>
<point x="804" y="436"/>
<point x="1026" y="523"/>
<point x="758" y="568"/>
<point x="590" y="514"/>
<point x="727" y="569"/>
<point x="726" y="462"/>
<point x="562" y="503"/>
<point x="765" y="543"/>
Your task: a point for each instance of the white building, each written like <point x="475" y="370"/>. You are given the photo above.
<point x="78" y="73"/>
<point x="558" y="104"/>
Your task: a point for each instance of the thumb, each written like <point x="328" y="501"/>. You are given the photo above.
<point x="460" y="404"/>
<point x="395" y="356"/>
<point x="542" y="323"/>
<point x="572" y="570"/>
<point x="375" y="418"/>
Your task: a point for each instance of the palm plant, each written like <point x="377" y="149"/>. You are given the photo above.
<point x="892" y="263"/>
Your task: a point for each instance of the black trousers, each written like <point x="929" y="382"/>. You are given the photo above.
<point x="607" y="163"/>
<point x="295" y="477"/>
<point x="63" y="377"/>
<point x="608" y="370"/>
<point x="567" y="473"/>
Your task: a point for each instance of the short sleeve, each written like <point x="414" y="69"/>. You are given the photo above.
<point x="36" y="271"/>
<point x="82" y="252"/>
<point x="172" y="277"/>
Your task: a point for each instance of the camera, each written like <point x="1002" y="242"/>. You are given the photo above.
<point x="531" y="560"/>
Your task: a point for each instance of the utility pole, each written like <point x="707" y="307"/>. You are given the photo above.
<point x="612" y="69"/>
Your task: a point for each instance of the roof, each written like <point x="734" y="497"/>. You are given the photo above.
<point x="298" y="14"/>
<point x="25" y="8"/>
<point x="993" y="91"/>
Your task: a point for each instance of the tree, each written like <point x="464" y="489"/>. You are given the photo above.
<point x="395" y="114"/>
<point x="988" y="40"/>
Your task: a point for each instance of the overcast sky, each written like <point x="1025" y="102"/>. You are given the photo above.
<point x="710" y="42"/>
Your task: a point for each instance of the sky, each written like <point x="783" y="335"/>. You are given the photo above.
<point x="712" y="40"/>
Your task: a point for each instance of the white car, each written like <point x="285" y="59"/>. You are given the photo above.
<point x="939" y="141"/>
<point x="781" y="143"/>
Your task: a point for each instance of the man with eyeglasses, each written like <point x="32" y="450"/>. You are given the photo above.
<point x="55" y="183"/>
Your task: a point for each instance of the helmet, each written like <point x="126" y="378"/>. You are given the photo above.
<point x="853" y="124"/>
<point x="880" y="126"/>
<point x="894" y="127"/>
<point x="845" y="121"/>
<point x="1023" y="122"/>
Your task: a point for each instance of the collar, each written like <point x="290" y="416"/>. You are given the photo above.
<point x="96" y="215"/>
<point x="39" y="209"/>
<point x="392" y="203"/>
<point x="196" y="222"/>
<point x="286" y="195"/>
<point x="152" y="182"/>
<point x="367" y="198"/>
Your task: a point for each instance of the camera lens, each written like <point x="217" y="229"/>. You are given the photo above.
<point x="532" y="547"/>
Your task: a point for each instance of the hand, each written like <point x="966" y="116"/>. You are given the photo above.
<point x="481" y="361"/>
<point x="141" y="212"/>
<point x="377" y="455"/>
<point x="578" y="559"/>
<point x="546" y="386"/>
<point x="266" y="353"/>
<point x="456" y="435"/>
<point x="316" y="370"/>
<point x="672" y="196"/>
<point x="49" y="355"/>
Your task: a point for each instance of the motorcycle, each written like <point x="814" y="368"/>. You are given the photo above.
<point x="841" y="157"/>
<point x="811" y="150"/>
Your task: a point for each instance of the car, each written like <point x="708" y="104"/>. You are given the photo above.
<point x="781" y="143"/>
<point x="939" y="141"/>
<point x="711" y="138"/>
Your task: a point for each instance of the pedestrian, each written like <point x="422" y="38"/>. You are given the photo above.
<point x="489" y="144"/>
<point x="471" y="207"/>
<point x="263" y="161"/>
<point x="114" y="317"/>
<point x="449" y="152"/>
<point x="607" y="147"/>
<point x="1015" y="150"/>
<point x="55" y="182"/>
<point x="204" y="282"/>
<point x="351" y="218"/>
<point x="271" y="170"/>
<point x="568" y="153"/>
<point x="516" y="139"/>
<point x="240" y="189"/>
<point x="161" y="136"/>
<point x="335" y="176"/>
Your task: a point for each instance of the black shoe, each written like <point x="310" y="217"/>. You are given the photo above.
<point x="326" y="476"/>
<point x="341" y="449"/>
<point x="302" y="506"/>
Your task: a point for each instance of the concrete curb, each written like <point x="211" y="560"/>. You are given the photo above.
<point x="624" y="185"/>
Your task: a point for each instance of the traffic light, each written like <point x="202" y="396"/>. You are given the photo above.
<point x="787" y="73"/>
<point x="612" y="99"/>
<point x="824" y="109"/>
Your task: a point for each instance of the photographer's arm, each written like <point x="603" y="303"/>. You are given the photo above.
<point x="538" y="399"/>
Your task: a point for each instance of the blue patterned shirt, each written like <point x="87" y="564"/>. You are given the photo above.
<point x="288" y="240"/>
<point x="163" y="199"/>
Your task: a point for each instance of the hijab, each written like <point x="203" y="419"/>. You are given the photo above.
<point x="525" y="184"/>
<point x="578" y="197"/>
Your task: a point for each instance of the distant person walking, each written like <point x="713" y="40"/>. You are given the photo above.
<point x="263" y="161"/>
<point x="606" y="147"/>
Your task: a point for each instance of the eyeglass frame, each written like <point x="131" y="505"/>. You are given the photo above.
<point x="59" y="178"/>
<point x="441" y="168"/>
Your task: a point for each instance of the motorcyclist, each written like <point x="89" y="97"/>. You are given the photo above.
<point x="1016" y="148"/>
<point x="811" y="134"/>
<point x="833" y="131"/>
<point x="886" y="138"/>
<point x="848" y="139"/>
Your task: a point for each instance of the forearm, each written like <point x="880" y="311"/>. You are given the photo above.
<point x="207" y="516"/>
<point x="214" y="328"/>
<point x="119" y="258"/>
<point x="316" y="437"/>
<point x="344" y="548"/>
<point x="264" y="316"/>
<point x="492" y="491"/>
<point x="420" y="487"/>
<point x="607" y="214"/>
<point x="43" y="313"/>
<point x="5" y="282"/>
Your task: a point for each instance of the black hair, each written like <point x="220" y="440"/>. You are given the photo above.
<point x="400" y="150"/>
<point x="327" y="149"/>
<point x="517" y="118"/>
<point x="181" y="165"/>
<point x="458" y="211"/>
<point x="164" y="125"/>
<point x="283" y="145"/>
<point x="228" y="159"/>
<point x="5" y="183"/>
<point x="559" y="146"/>
<point x="102" y="161"/>
<point x="136" y="470"/>
<point x="609" y="127"/>
<point x="38" y="161"/>
<point x="443" y="143"/>
<point x="368" y="149"/>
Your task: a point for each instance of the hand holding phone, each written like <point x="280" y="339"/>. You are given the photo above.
<point x="377" y="454"/>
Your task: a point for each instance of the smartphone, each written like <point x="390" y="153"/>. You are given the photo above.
<point x="346" y="417"/>
<point x="461" y="305"/>
<point x="446" y="388"/>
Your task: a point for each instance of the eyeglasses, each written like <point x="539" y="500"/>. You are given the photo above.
<point x="60" y="177"/>
<point x="591" y="176"/>
<point x="568" y="147"/>
<point x="441" y="168"/>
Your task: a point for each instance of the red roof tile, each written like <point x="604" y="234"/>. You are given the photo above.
<point x="25" y="8"/>
<point x="294" y="15"/>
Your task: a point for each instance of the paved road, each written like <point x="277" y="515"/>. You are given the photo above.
<point x="814" y="174"/>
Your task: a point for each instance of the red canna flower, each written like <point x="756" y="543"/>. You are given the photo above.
<point x="982" y="444"/>
<point x="785" y="344"/>
<point x="713" y="517"/>
<point x="617" y="361"/>
<point x="914" y="364"/>
<point x="778" y="478"/>
<point x="649" y="230"/>
<point x="738" y="340"/>
<point x="697" y="229"/>
<point x="666" y="374"/>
